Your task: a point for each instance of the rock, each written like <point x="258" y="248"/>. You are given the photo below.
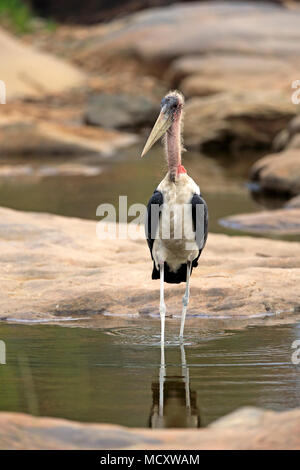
<point x="294" y="126"/>
<point x="53" y="267"/>
<point x="293" y="203"/>
<point x="160" y="35"/>
<point x="35" y="137"/>
<point x="29" y="73"/>
<point x="213" y="73"/>
<point x="40" y="171"/>
<point x="294" y="142"/>
<point x="20" y="431"/>
<point x="249" y="414"/>
<point x="276" y="173"/>
<point x="246" y="428"/>
<point x="121" y="111"/>
<point x="279" y="172"/>
<point x="232" y="120"/>
<point x="289" y="137"/>
<point x="280" y="141"/>
<point x="247" y="66"/>
<point x="280" y="221"/>
<point x="90" y="12"/>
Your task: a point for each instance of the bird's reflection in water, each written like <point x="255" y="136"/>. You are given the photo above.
<point x="174" y="404"/>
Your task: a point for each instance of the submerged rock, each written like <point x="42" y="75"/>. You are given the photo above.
<point x="53" y="267"/>
<point x="246" y="428"/>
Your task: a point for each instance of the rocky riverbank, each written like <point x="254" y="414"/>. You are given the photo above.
<point x="277" y="174"/>
<point x="125" y="66"/>
<point x="244" y="429"/>
<point x="237" y="83"/>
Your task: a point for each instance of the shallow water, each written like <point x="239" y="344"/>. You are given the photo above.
<point x="222" y="182"/>
<point x="116" y="375"/>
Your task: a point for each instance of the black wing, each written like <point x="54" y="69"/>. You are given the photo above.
<point x="153" y="217"/>
<point x="200" y="223"/>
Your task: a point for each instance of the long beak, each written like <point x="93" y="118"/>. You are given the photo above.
<point x="161" y="126"/>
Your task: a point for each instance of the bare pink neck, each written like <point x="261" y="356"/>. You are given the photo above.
<point x="173" y="148"/>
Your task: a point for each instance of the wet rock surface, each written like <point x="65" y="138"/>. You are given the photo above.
<point x="279" y="172"/>
<point x="288" y="137"/>
<point x="245" y="428"/>
<point x="275" y="174"/>
<point x="55" y="267"/>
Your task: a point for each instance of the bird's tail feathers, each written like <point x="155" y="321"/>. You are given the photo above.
<point x="173" y="277"/>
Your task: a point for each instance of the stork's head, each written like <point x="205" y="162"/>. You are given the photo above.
<point x="171" y="107"/>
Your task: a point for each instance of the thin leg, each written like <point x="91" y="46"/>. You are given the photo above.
<point x="185" y="299"/>
<point x="162" y="306"/>
<point x="162" y="374"/>
<point x="186" y="378"/>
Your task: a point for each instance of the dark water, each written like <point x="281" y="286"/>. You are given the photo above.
<point x="116" y="375"/>
<point x="222" y="183"/>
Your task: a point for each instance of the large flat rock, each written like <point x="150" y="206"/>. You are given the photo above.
<point x="163" y="34"/>
<point x="29" y="73"/>
<point x="54" y="267"/>
<point x="246" y="428"/>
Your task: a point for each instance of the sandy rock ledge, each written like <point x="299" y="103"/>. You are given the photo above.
<point x="246" y="428"/>
<point x="54" y="267"/>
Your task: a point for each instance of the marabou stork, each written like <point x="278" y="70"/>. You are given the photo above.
<point x="177" y="232"/>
